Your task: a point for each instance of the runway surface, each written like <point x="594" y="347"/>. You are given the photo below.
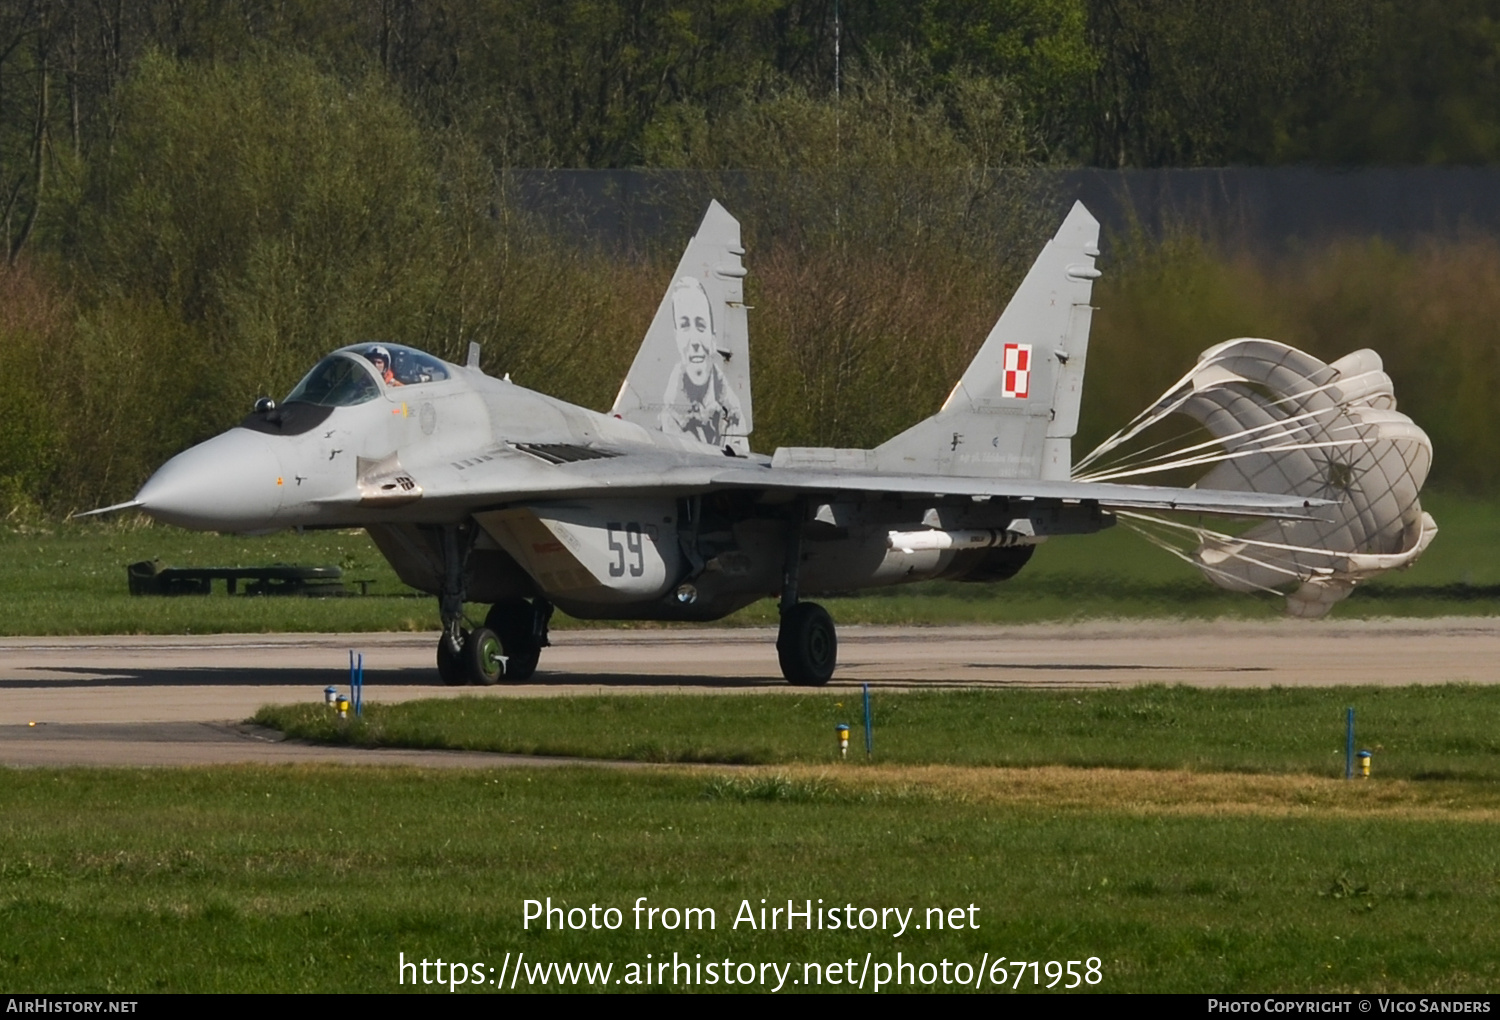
<point x="181" y="700"/>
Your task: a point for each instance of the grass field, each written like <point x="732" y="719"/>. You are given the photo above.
<point x="70" y="579"/>
<point x="1426" y="733"/>
<point x="1184" y="840"/>
<point x="315" y="879"/>
<point x="1179" y="840"/>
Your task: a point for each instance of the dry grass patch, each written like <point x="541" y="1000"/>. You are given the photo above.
<point x="1146" y="791"/>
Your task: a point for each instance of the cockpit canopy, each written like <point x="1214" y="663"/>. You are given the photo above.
<point x="350" y="375"/>
<point x="407" y="365"/>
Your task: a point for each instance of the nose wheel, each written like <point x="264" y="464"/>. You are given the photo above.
<point x="507" y="647"/>
<point x="483" y="659"/>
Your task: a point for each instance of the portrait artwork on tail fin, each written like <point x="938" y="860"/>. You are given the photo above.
<point x="700" y="401"/>
<point x="691" y="376"/>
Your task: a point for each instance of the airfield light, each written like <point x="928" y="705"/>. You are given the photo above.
<point x="343" y="706"/>
<point x="331" y="696"/>
<point x="843" y="731"/>
<point x="1364" y="763"/>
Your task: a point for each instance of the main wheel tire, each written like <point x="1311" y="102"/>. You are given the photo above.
<point x="807" y="645"/>
<point x="450" y="663"/>
<point x="483" y="657"/>
<point x="515" y="621"/>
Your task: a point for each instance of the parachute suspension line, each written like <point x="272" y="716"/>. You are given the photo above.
<point x="1166" y="544"/>
<point x="1137" y="457"/>
<point x="1178" y="394"/>
<point x="1137" y="425"/>
<point x="1140" y="458"/>
<point x="1208" y="535"/>
<point x="1150" y="416"/>
<point x="1217" y="459"/>
<point x="1215" y="573"/>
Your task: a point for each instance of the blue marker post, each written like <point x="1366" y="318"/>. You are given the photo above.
<point x="869" y="731"/>
<point x="357" y="680"/>
<point x="1349" y="746"/>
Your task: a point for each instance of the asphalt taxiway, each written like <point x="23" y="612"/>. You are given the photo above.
<point x="182" y="700"/>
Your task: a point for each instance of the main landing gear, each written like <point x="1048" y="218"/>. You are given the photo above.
<point x="511" y="640"/>
<point x="806" y="644"/>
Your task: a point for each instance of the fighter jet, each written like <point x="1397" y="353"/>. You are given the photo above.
<point x="480" y="490"/>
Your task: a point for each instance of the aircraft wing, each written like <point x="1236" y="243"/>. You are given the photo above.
<point x="505" y="476"/>
<point x="1106" y="494"/>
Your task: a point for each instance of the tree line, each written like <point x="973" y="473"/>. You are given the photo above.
<point x="614" y="83"/>
<point x="198" y="199"/>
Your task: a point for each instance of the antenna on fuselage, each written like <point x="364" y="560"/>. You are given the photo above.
<point x="473" y="361"/>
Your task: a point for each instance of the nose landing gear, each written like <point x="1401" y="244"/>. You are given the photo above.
<point x="509" y="644"/>
<point x="506" y="648"/>
<point x="450" y="663"/>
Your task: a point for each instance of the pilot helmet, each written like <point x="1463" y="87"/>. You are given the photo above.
<point x="379" y="352"/>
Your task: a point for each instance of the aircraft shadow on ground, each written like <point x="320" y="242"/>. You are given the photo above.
<point x="374" y="679"/>
<point x="980" y="675"/>
<point x="1455" y="592"/>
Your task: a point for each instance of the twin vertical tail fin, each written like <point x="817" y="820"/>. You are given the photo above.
<point x="1015" y="411"/>
<point x="691" y="376"/>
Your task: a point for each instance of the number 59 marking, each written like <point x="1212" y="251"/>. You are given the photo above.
<point x="633" y="547"/>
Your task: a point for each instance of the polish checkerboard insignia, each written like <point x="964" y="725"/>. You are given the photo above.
<point x="1017" y="382"/>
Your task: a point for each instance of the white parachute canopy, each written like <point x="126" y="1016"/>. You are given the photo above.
<point x="1285" y="422"/>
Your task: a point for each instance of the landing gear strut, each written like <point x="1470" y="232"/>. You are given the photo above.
<point x="450" y="663"/>
<point x="806" y="644"/>
<point x="521" y="627"/>
<point x="514" y="633"/>
<point x="463" y="657"/>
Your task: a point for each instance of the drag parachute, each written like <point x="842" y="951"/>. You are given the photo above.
<point x="1283" y="421"/>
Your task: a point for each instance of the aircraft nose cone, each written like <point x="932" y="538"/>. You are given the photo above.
<point x="232" y="482"/>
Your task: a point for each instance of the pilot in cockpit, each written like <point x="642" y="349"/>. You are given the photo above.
<point x="381" y="359"/>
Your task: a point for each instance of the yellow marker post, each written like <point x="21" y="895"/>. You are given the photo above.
<point x="343" y="706"/>
<point x="843" y="731"/>
<point x="1364" y="764"/>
